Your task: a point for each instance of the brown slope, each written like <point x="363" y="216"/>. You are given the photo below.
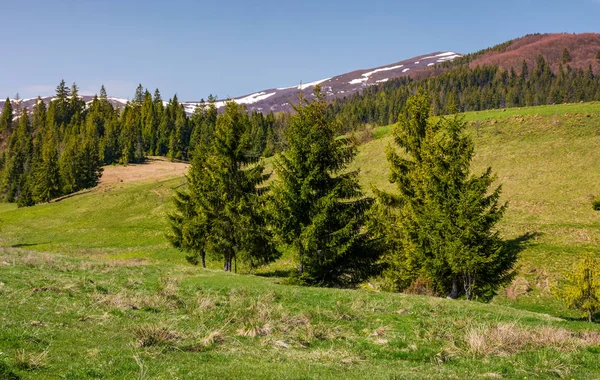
<point x="582" y="48"/>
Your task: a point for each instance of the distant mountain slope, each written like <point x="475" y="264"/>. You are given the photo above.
<point x="583" y="49"/>
<point x="280" y="99"/>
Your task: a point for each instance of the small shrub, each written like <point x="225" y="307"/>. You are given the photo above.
<point x="596" y="204"/>
<point x="148" y="336"/>
<point x="422" y="287"/>
<point x="582" y="290"/>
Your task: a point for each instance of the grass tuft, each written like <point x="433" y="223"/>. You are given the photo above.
<point x="30" y="361"/>
<point x="151" y="336"/>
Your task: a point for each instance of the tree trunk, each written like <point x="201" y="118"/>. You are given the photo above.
<point x="203" y="261"/>
<point x="227" y="263"/>
<point x="301" y="256"/>
<point x="590" y="319"/>
<point x="235" y="264"/>
<point x="454" y="293"/>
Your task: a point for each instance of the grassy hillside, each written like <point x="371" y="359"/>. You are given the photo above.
<point x="89" y="287"/>
<point x="548" y="162"/>
<point x="80" y="318"/>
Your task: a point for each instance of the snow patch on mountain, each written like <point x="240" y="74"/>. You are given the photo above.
<point x="358" y="80"/>
<point x="306" y="85"/>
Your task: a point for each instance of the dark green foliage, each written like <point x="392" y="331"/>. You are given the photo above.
<point x="596" y="204"/>
<point x="6" y="117"/>
<point x="462" y="88"/>
<point x="317" y="208"/>
<point x="58" y="152"/>
<point x="220" y="214"/>
<point x="443" y="217"/>
<point x="47" y="175"/>
<point x="19" y="160"/>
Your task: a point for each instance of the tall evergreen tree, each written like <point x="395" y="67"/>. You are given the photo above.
<point x="443" y="217"/>
<point x="566" y="56"/>
<point x="317" y="208"/>
<point x="6" y="118"/>
<point x="220" y="213"/>
<point x="19" y="160"/>
<point x="61" y="105"/>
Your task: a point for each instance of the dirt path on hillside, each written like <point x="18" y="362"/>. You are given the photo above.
<point x="153" y="168"/>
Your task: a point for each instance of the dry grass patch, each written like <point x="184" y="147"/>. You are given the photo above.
<point x="505" y="339"/>
<point x="30" y="361"/>
<point x="150" y="336"/>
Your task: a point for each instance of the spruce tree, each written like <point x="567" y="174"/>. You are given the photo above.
<point x="149" y="124"/>
<point x="440" y="223"/>
<point x="566" y="56"/>
<point x="6" y="118"/>
<point x="47" y="175"/>
<point x="220" y="214"/>
<point x="317" y="208"/>
<point x="61" y="105"/>
<point x="19" y="160"/>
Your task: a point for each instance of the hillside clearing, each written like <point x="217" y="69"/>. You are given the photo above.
<point x="155" y="168"/>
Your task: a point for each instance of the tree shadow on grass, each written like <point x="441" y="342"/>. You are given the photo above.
<point x="22" y="245"/>
<point x="518" y="244"/>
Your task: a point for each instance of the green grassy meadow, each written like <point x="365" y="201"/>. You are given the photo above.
<point x="90" y="288"/>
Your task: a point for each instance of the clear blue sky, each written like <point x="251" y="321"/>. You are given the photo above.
<point x="235" y="47"/>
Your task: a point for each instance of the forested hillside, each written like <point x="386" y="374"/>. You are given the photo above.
<point x="533" y="70"/>
<point x="60" y="147"/>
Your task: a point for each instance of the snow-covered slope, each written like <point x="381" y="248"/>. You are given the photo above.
<point x="281" y="99"/>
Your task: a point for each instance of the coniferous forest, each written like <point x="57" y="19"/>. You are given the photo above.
<point x="462" y="88"/>
<point x="59" y="148"/>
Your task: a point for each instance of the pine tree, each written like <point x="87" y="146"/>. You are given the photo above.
<point x="19" y="159"/>
<point x="566" y="56"/>
<point x="317" y="208"/>
<point x="76" y="107"/>
<point x="443" y="217"/>
<point x="220" y="214"/>
<point x="47" y="175"/>
<point x="6" y="118"/>
<point x="582" y="290"/>
<point x="26" y="195"/>
<point x="61" y="105"/>
<point x="139" y="94"/>
<point x="149" y="124"/>
<point x="38" y="122"/>
<point x="103" y="95"/>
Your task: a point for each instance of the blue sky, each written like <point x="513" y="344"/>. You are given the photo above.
<point x="232" y="48"/>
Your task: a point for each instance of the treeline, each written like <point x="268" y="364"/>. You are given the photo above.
<point x="60" y="147"/>
<point x="463" y="89"/>
<point x="436" y="231"/>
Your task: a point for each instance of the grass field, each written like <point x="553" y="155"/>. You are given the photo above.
<point x="89" y="287"/>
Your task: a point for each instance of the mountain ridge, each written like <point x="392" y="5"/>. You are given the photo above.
<point x="281" y="99"/>
<point x="584" y="52"/>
